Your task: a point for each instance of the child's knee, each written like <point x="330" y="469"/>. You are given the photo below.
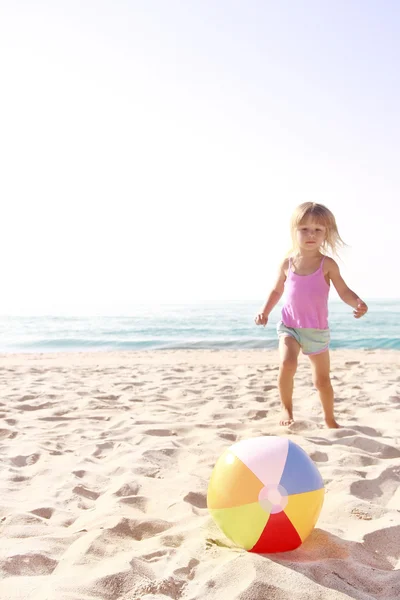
<point x="288" y="365"/>
<point x="322" y="382"/>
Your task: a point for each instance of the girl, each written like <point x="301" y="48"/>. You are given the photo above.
<point x="305" y="277"/>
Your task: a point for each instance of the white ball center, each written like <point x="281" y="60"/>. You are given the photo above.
<point x="273" y="498"/>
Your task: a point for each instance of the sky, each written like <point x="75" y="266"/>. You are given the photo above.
<point x="153" y="151"/>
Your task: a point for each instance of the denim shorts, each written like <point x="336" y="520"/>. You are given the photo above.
<point x="311" y="341"/>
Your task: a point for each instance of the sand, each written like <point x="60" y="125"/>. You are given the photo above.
<point x="105" y="462"/>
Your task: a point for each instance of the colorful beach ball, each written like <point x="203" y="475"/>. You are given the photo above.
<point x="266" y="494"/>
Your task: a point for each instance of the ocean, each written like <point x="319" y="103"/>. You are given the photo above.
<point x="217" y="326"/>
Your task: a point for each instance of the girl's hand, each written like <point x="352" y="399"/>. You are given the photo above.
<point x="361" y="309"/>
<point x="261" y="319"/>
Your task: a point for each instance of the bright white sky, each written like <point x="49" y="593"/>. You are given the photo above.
<point x="153" y="151"/>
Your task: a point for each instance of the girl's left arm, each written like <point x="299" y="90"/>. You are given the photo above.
<point x="345" y="293"/>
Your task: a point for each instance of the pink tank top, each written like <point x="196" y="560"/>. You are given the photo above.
<point x="306" y="299"/>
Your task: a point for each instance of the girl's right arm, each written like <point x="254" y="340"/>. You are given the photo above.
<point x="275" y="294"/>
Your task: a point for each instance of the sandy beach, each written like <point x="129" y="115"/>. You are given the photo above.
<point x="106" y="458"/>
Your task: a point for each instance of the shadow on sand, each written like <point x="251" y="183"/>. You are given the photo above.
<point x="359" y="569"/>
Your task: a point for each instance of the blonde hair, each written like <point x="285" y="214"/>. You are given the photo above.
<point x="321" y="215"/>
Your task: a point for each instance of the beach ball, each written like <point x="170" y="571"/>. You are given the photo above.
<point x="265" y="494"/>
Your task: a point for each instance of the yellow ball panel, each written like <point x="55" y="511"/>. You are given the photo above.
<point x="303" y="511"/>
<point x="242" y="524"/>
<point x="232" y="483"/>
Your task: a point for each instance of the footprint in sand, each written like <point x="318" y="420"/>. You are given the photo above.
<point x="79" y="474"/>
<point x="19" y="479"/>
<point x="166" y="588"/>
<point x="300" y="426"/>
<point x="51" y="419"/>
<point x="257" y="415"/>
<point x="28" y="397"/>
<point x="101" y="447"/>
<point x="189" y="571"/>
<point x="118" y="584"/>
<point x="139" y="502"/>
<point x="172" y="541"/>
<point x="230" y="397"/>
<point x="25" y="461"/>
<point x="160" y="457"/>
<point x="369" y="431"/>
<point x="28" y="565"/>
<point x="45" y="512"/>
<point x="230" y="426"/>
<point x="226" y="435"/>
<point x="128" y="489"/>
<point x="140" y="529"/>
<point x="155" y="556"/>
<point x="382" y="488"/>
<point x="371" y="446"/>
<point x="7" y="433"/>
<point x="160" y="432"/>
<point x="30" y="407"/>
<point x="319" y="456"/>
<point x="152" y="472"/>
<point x="354" y="461"/>
<point x="197" y="499"/>
<point x="225" y="388"/>
<point x="81" y="490"/>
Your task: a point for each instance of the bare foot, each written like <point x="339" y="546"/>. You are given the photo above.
<point x="332" y="424"/>
<point x="287" y="418"/>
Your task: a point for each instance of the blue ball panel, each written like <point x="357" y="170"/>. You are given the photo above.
<point x="300" y="475"/>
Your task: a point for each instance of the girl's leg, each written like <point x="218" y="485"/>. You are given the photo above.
<point x="289" y="350"/>
<point x="320" y="364"/>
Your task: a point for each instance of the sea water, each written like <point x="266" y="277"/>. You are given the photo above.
<point x="211" y="326"/>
